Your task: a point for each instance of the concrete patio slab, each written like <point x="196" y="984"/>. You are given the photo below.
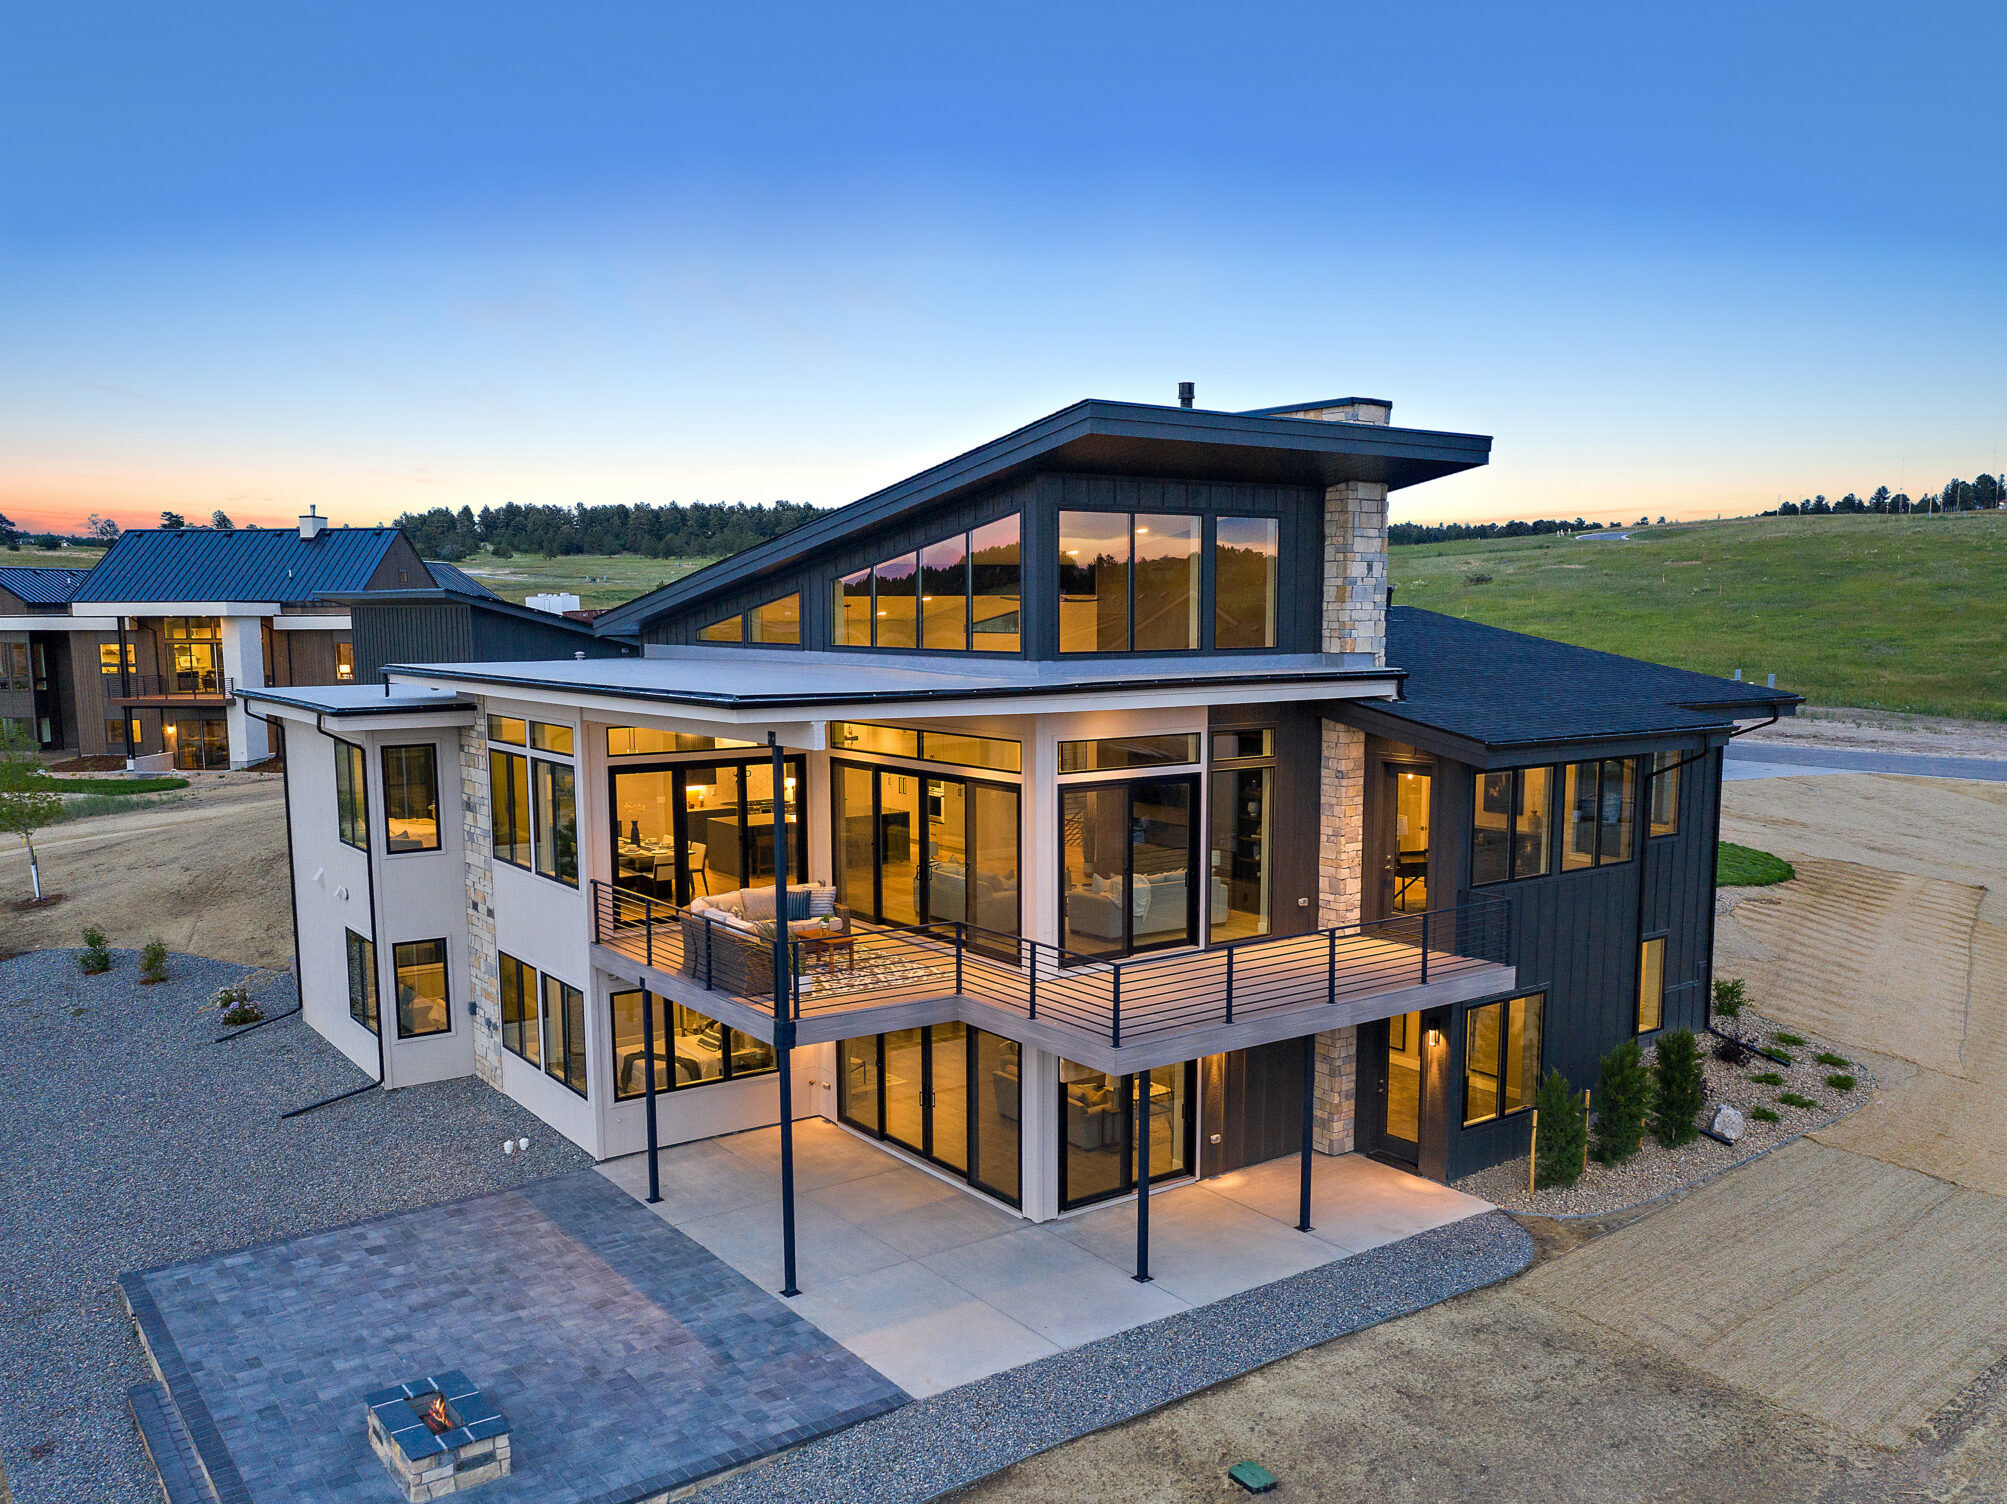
<point x="1057" y="1289"/>
<point x="1356" y="1203"/>
<point x="921" y="1330"/>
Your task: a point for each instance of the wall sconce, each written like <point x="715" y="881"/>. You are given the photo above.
<point x="1435" y="1039"/>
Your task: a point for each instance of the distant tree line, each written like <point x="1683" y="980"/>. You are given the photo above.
<point x="1455" y="532"/>
<point x="673" y="531"/>
<point x="1979" y="495"/>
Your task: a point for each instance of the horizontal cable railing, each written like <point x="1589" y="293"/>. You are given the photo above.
<point x="196" y="684"/>
<point x="832" y="969"/>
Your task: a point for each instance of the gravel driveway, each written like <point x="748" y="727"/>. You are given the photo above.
<point x="130" y="1138"/>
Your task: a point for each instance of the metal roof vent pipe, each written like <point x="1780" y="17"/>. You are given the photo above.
<point x="313" y="524"/>
<point x="1187" y="394"/>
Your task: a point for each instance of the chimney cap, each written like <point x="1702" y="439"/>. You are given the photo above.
<point x="1187" y="393"/>
<point x="312" y="525"/>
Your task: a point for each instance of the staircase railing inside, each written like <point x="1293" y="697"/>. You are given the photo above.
<point x="1113" y="1000"/>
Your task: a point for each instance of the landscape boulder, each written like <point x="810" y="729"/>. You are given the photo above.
<point x="1727" y="1123"/>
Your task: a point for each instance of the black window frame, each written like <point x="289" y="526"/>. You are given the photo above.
<point x="875" y="1128"/>
<point x="362" y="962"/>
<point x="1208" y="602"/>
<point x="542" y="769"/>
<point x="351" y="794"/>
<point x="922" y="840"/>
<point x="525" y="822"/>
<point x="557" y="1063"/>
<point x="749" y="616"/>
<point x="1556" y="792"/>
<point x="1628" y="824"/>
<point x="530" y="992"/>
<point x="665" y="1009"/>
<point x="1504" y="1033"/>
<point x="397" y="948"/>
<point x="1645" y="942"/>
<point x="683" y="893"/>
<point x="518" y="818"/>
<point x="1664" y="764"/>
<point x="432" y="762"/>
<point x="968" y="566"/>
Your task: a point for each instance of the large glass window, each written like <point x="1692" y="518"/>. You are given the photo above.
<point x="702" y="829"/>
<point x="916" y="848"/>
<point x="777" y="623"/>
<point x="1127" y="859"/>
<point x="690" y="1049"/>
<point x="1093" y="582"/>
<point x="1651" y="984"/>
<point x="509" y="806"/>
<point x="362" y="981"/>
<point x="351" y="796"/>
<point x="1245" y="550"/>
<point x="1511" y="820"/>
<point x="1666" y="774"/>
<point x="1242" y="807"/>
<point x="564" y="1033"/>
<point x="895" y="586"/>
<point x="411" y="798"/>
<point x="949" y="1093"/>
<point x="553" y="787"/>
<point x="422" y="1004"/>
<point x="194" y="647"/>
<point x="944" y="593"/>
<point x="953" y="595"/>
<point x="1601" y="801"/>
<point x="519" y="1009"/>
<point x="1097" y="1121"/>
<point x="545" y="737"/>
<point x="731" y="629"/>
<point x="927" y="746"/>
<point x="1501" y="1057"/>
<point x="995" y="588"/>
<point x="1110" y="753"/>
<point x="638" y="741"/>
<point x="1166" y="606"/>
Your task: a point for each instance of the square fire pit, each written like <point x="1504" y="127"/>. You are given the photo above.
<point x="437" y="1435"/>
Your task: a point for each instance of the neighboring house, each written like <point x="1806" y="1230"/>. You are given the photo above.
<point x="146" y="655"/>
<point x="1116" y="808"/>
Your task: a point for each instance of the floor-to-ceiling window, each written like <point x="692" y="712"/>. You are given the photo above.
<point x="1241" y="818"/>
<point x="1128" y="856"/>
<point x="1097" y="1129"/>
<point x="947" y="1092"/>
<point x="922" y="847"/>
<point x="698" y="829"/>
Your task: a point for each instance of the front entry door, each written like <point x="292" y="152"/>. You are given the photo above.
<point x="1401" y="1087"/>
<point x="1404" y="871"/>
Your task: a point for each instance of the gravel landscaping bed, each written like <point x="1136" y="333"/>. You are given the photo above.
<point x="132" y="1139"/>
<point x="1655" y="1170"/>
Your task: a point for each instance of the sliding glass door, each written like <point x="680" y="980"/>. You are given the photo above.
<point x="1128" y="851"/>
<point x="947" y="1092"/>
<point x="694" y="829"/>
<point x="921" y="848"/>
<point x="1097" y="1130"/>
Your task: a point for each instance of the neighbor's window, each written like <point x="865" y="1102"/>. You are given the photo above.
<point x="115" y="733"/>
<point x="1651" y="984"/>
<point x="362" y="980"/>
<point x="1601" y="800"/>
<point x="422" y="1007"/>
<point x="1666" y="774"/>
<point x="1511" y="818"/>
<point x="108" y="657"/>
<point x="344" y="662"/>
<point x="553" y="793"/>
<point x="564" y="1033"/>
<point x="1114" y="752"/>
<point x="411" y="798"/>
<point x="351" y="796"/>
<point x="1501" y="1057"/>
<point x="509" y="806"/>
<point x="690" y="1049"/>
<point x="957" y="594"/>
<point x="1244" y="557"/>
<point x="519" y="1008"/>
<point x="634" y="741"/>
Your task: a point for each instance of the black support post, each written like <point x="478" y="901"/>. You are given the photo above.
<point x="1309" y="1123"/>
<point x="783" y="1019"/>
<point x="1142" y="1275"/>
<point x="648" y="1054"/>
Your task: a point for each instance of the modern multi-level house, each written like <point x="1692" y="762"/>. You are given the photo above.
<point x="1073" y="814"/>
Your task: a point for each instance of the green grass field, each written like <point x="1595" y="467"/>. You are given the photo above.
<point x="1890" y="613"/>
<point x="596" y="579"/>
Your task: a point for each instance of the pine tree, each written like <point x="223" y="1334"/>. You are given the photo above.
<point x="1559" y="1147"/>
<point x="1623" y="1101"/>
<point x="1680" y="1090"/>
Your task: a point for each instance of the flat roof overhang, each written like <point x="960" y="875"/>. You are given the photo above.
<point x="363" y="707"/>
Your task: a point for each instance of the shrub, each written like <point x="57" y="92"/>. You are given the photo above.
<point x="1729" y="997"/>
<point x="1477" y="579"/>
<point x="1767" y="1078"/>
<point x="1840" y="1081"/>
<point x="1623" y="1100"/>
<point x="1792" y="1099"/>
<point x="1559" y="1147"/>
<point x="1827" y="1057"/>
<point x="1680" y="1090"/>
<point x="153" y="961"/>
<point x="235" y="1004"/>
<point x="1763" y="1114"/>
<point x="1781" y="1037"/>
<point x="96" y="958"/>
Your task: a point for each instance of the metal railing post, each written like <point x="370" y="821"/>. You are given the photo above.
<point x="1331" y="967"/>
<point x="1229" y="984"/>
<point x="1115" y="1016"/>
<point x="1425" y="947"/>
<point x="1033" y="1008"/>
<point x="709" y="951"/>
<point x="648" y="929"/>
<point x="961" y="939"/>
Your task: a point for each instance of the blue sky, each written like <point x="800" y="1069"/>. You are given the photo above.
<point x="380" y="257"/>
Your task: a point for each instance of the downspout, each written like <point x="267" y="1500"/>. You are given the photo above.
<point x="293" y="875"/>
<point x="376" y="963"/>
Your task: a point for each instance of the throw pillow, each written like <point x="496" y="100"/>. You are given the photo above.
<point x="797" y="903"/>
<point x="821" y="902"/>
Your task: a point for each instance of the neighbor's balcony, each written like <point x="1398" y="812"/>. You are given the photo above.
<point x="198" y="687"/>
<point x="1166" y="1007"/>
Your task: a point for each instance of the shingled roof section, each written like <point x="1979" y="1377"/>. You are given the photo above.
<point x="248" y="564"/>
<point x="39" y="586"/>
<point x="452" y="577"/>
<point x="1502" y="688"/>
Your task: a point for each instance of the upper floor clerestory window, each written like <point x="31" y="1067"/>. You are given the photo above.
<point x="775" y="624"/>
<point x="1136" y="582"/>
<point x="958" y="594"/>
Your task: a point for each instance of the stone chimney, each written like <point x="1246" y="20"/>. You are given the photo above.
<point x="313" y="524"/>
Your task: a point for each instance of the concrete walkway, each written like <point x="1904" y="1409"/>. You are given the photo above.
<point x="935" y="1287"/>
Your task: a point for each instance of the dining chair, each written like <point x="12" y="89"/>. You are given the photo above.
<point x="694" y="854"/>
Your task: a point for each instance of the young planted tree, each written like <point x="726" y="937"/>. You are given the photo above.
<point x="1623" y="1102"/>
<point x="1558" y="1149"/>
<point x="24" y="809"/>
<point x="1679" y="1089"/>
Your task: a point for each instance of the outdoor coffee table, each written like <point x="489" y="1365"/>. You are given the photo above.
<point x="821" y="945"/>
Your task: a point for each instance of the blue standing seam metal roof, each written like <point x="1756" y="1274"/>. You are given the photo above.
<point x="40" y="586"/>
<point x="248" y="564"/>
<point x="1502" y="688"/>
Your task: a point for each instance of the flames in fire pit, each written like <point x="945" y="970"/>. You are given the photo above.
<point x="432" y="1410"/>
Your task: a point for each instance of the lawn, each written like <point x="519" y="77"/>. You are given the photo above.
<point x="18" y="778"/>
<point x="596" y="579"/>
<point x="1746" y="867"/>
<point x="1890" y="613"/>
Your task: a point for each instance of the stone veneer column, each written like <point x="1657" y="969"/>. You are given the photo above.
<point x="1341" y="846"/>
<point x="1355" y="569"/>
<point x="483" y="965"/>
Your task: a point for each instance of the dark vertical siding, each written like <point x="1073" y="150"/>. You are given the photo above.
<point x="1260" y="1114"/>
<point x="409" y="632"/>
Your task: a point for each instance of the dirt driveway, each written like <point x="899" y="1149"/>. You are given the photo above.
<point x="1828" y="1323"/>
<point x="205" y="870"/>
